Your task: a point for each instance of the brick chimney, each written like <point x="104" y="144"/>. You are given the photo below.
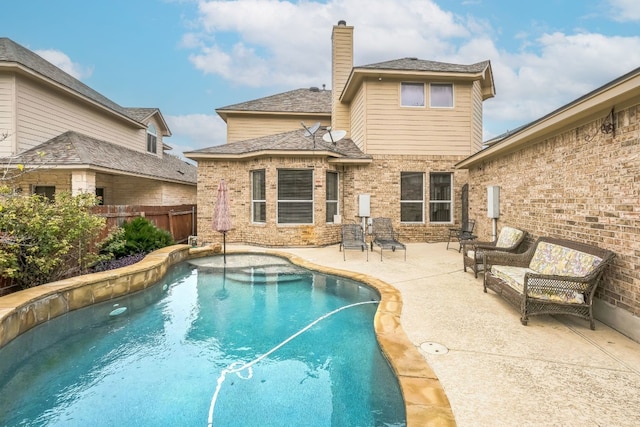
<point x="341" y="65"/>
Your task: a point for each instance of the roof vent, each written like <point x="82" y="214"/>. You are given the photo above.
<point x="413" y="58"/>
<point x="342" y="22"/>
<point x="314" y="89"/>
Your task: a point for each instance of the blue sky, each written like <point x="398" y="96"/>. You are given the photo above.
<point x="189" y="57"/>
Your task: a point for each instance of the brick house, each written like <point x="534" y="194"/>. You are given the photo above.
<point x="406" y="123"/>
<point x="575" y="174"/>
<point x="71" y="138"/>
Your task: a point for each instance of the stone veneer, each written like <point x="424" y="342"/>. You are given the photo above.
<point x="425" y="401"/>
<point x="380" y="179"/>
<point x="582" y="185"/>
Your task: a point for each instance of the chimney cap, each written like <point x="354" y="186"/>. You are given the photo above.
<point x="342" y="22"/>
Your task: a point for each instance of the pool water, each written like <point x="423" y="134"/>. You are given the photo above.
<point x="163" y="357"/>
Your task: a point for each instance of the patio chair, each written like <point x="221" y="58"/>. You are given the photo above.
<point x="465" y="233"/>
<point x="353" y="238"/>
<point x="508" y="240"/>
<point x="385" y="237"/>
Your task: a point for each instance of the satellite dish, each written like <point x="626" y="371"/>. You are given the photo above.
<point x="312" y="130"/>
<point x="334" y="136"/>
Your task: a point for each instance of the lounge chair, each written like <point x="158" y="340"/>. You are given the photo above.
<point x="462" y="234"/>
<point x="508" y="240"/>
<point x="353" y="238"/>
<point x="385" y="237"/>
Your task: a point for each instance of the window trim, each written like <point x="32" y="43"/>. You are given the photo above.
<point x="448" y="201"/>
<point x="413" y="201"/>
<point x="413" y="84"/>
<point x="261" y="201"/>
<point x="337" y="199"/>
<point x="311" y="201"/>
<point x="441" y="84"/>
<point x="152" y="139"/>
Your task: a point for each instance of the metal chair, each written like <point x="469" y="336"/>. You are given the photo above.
<point x="353" y="238"/>
<point x="385" y="237"/>
<point x="462" y="234"/>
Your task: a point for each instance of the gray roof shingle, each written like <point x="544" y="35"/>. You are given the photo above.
<point x="415" y="64"/>
<point x="309" y="100"/>
<point x="75" y="149"/>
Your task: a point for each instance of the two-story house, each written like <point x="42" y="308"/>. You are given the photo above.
<point x="58" y="134"/>
<point x="397" y="129"/>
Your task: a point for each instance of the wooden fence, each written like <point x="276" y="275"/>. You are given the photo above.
<point x="179" y="220"/>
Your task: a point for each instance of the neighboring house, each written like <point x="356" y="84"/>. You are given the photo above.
<point x="575" y="174"/>
<point x="407" y="123"/>
<point x="71" y="138"/>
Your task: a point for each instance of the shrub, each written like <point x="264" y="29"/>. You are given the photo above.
<point x="138" y="236"/>
<point x="43" y="241"/>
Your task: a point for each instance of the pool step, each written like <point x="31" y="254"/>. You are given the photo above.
<point x="264" y="275"/>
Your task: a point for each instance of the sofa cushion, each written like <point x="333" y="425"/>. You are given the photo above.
<point x="558" y="260"/>
<point x="508" y="237"/>
<point x="514" y="277"/>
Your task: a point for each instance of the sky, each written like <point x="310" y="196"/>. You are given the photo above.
<point x="190" y="57"/>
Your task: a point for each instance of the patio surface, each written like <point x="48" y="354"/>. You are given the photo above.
<point x="496" y="372"/>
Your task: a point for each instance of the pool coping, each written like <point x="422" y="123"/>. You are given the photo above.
<point x="426" y="403"/>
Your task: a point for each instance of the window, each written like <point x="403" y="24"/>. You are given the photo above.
<point x="332" y="195"/>
<point x="412" y="94"/>
<point x="258" y="197"/>
<point x="441" y="95"/>
<point x="152" y="138"/>
<point x="440" y="197"/>
<point x="100" y="195"/>
<point x="47" y="191"/>
<point x="295" y="196"/>
<point x="411" y="196"/>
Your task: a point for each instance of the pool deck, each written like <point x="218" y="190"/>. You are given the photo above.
<point x="494" y="371"/>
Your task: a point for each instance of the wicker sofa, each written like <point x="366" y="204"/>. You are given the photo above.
<point x="554" y="276"/>
<point x="508" y="240"/>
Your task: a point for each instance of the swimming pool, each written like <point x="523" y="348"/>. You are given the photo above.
<point x="165" y="356"/>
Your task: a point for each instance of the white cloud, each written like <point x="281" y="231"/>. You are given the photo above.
<point x="62" y="61"/>
<point x="625" y="10"/>
<point x="195" y="131"/>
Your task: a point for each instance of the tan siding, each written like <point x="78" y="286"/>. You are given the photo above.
<point x="342" y="63"/>
<point x="476" y="118"/>
<point x="43" y="114"/>
<point x="7" y="118"/>
<point x="392" y="129"/>
<point x="240" y="128"/>
<point x="358" y="118"/>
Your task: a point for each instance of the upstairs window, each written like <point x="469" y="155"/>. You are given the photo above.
<point x="295" y="196"/>
<point x="440" y="197"/>
<point x="411" y="196"/>
<point x="258" y="197"/>
<point x="332" y="196"/>
<point x="441" y="95"/>
<point x="152" y="139"/>
<point x="412" y="94"/>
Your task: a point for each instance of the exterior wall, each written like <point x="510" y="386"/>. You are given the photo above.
<point x="240" y="128"/>
<point x="396" y="130"/>
<point x="43" y="113"/>
<point x="342" y="63"/>
<point x="581" y="185"/>
<point x="381" y="180"/>
<point x="476" y="117"/>
<point x="7" y="117"/>
<point x="359" y="118"/>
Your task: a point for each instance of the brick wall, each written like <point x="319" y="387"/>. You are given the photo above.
<point x="381" y="180"/>
<point x="580" y="184"/>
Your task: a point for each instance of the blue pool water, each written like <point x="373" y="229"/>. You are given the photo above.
<point x="166" y="356"/>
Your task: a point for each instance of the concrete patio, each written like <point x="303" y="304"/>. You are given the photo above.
<point x="496" y="372"/>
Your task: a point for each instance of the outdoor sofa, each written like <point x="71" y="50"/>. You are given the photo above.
<point x="508" y="240"/>
<point x="554" y="276"/>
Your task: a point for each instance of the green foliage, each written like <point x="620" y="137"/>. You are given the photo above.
<point x="136" y="236"/>
<point x="42" y="241"/>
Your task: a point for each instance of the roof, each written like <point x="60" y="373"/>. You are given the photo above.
<point x="411" y="68"/>
<point x="289" y="143"/>
<point x="73" y="150"/>
<point x="306" y="101"/>
<point x="12" y="52"/>
<point x="601" y="101"/>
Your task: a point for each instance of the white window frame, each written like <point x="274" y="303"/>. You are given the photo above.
<point x="152" y="139"/>
<point x="439" y="199"/>
<point x="281" y="202"/>
<point x="255" y="200"/>
<point x="432" y="86"/>
<point x="407" y="202"/>
<point x="335" y="201"/>
<point x="406" y="95"/>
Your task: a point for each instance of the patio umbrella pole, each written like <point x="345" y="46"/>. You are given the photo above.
<point x="224" y="246"/>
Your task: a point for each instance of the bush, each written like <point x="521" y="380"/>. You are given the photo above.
<point x="138" y="236"/>
<point x="42" y="241"/>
